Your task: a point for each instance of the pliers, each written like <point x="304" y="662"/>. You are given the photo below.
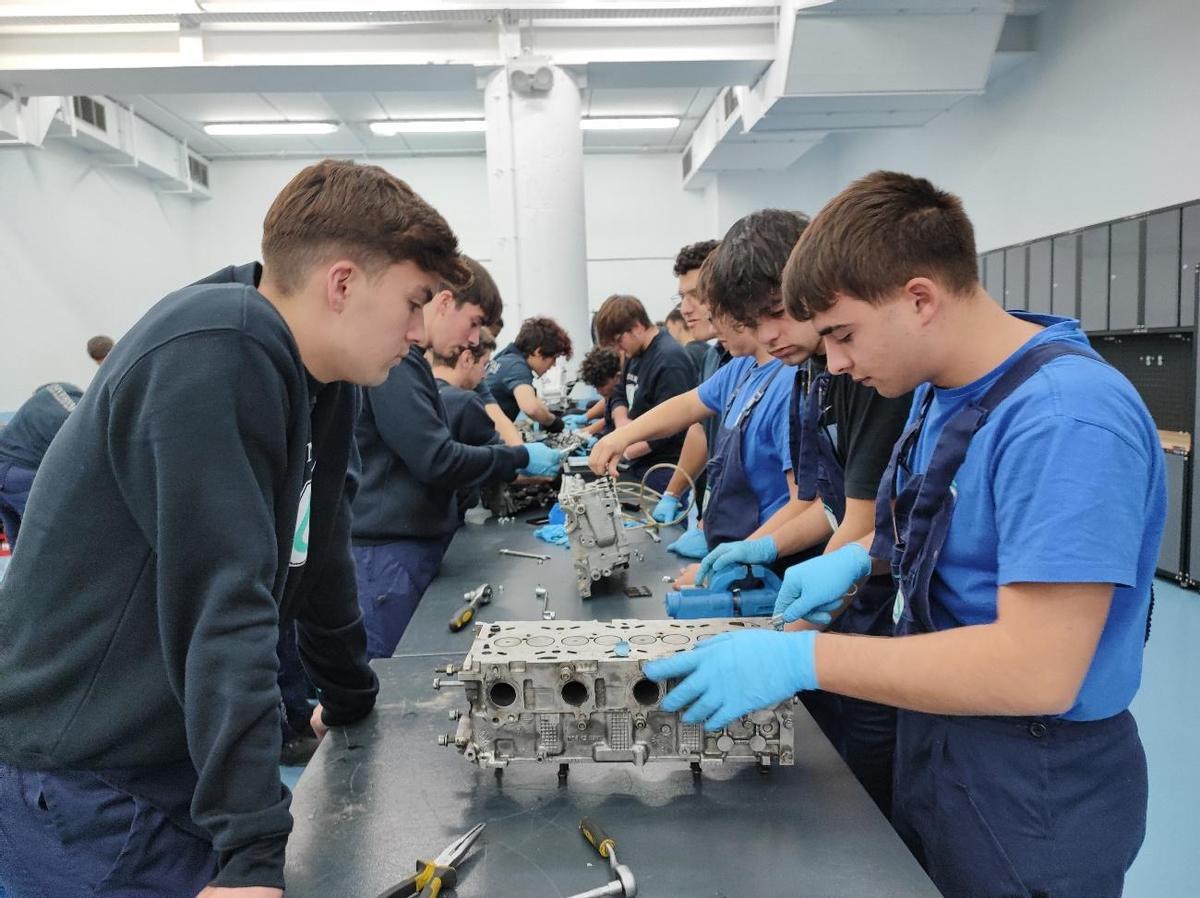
<point x="432" y="876"/>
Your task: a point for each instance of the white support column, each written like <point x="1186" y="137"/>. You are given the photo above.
<point x="535" y="191"/>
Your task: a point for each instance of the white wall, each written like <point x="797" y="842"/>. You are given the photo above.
<point x="1101" y="123"/>
<point x="84" y="250"/>
<point x="638" y="216"/>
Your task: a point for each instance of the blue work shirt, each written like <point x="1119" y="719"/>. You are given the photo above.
<point x="765" y="452"/>
<point x="508" y="370"/>
<point x="1063" y="484"/>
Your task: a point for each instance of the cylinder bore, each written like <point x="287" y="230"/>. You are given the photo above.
<point x="502" y="694"/>
<point x="574" y="693"/>
<point x="646" y="692"/>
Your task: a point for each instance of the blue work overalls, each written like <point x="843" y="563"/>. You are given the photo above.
<point x="863" y="732"/>
<point x="731" y="506"/>
<point x="999" y="806"/>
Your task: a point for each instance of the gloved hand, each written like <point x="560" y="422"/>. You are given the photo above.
<point x="543" y="461"/>
<point x="667" y="509"/>
<point x="813" y="589"/>
<point x="555" y="426"/>
<point x="691" y="545"/>
<point x="575" y="420"/>
<point x="745" y="551"/>
<point x="553" y="533"/>
<point x="732" y="674"/>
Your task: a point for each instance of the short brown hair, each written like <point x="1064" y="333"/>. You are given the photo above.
<point x="618" y="314"/>
<point x="481" y="291"/>
<point x="872" y="238"/>
<point x="99" y="348"/>
<point x="744" y="280"/>
<point x="368" y="214"/>
<point x="692" y="256"/>
<point x="545" y="334"/>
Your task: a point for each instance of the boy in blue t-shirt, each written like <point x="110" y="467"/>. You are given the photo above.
<point x="1021" y="513"/>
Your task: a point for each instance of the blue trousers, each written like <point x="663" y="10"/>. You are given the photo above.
<point x="1004" y="806"/>
<point x="74" y="834"/>
<point x="15" y="483"/>
<point x="392" y="577"/>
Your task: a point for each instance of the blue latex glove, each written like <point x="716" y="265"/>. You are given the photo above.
<point x="733" y="674"/>
<point x="667" y="509"/>
<point x="543" y="461"/>
<point x="745" y="551"/>
<point x="575" y="420"/>
<point x="553" y="533"/>
<point x="813" y="589"/>
<point x="588" y="443"/>
<point x="691" y="545"/>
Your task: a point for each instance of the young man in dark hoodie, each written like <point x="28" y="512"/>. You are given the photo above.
<point x="405" y="513"/>
<point x="197" y="500"/>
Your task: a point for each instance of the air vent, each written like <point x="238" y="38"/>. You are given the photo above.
<point x="88" y="110"/>
<point x="731" y="103"/>
<point x="197" y="171"/>
<point x="687" y="162"/>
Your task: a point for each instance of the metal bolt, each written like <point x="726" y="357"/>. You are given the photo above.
<point x="564" y="673"/>
<point x="443" y="739"/>
<point x="787" y="723"/>
<point x="454" y="715"/>
<point x="786" y="755"/>
<point x="665" y="729"/>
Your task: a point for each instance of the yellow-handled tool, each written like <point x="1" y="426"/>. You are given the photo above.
<point x="440" y="873"/>
<point x="480" y="595"/>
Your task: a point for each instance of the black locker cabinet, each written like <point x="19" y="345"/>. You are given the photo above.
<point x="1125" y="279"/>
<point x="1015" y="282"/>
<point x="1170" y="556"/>
<point x="1189" y="284"/>
<point x="1093" y="278"/>
<point x="1162" y="269"/>
<point x="1040" y="277"/>
<point x="1064" y="289"/>
<point x="993" y="275"/>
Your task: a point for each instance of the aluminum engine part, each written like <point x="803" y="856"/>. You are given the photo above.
<point x="599" y="545"/>
<point x="573" y="691"/>
<point x="504" y="500"/>
<point x="568" y="441"/>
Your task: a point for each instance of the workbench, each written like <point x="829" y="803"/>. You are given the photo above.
<point x="379" y="794"/>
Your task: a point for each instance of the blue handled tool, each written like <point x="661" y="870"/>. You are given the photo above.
<point x="738" y="591"/>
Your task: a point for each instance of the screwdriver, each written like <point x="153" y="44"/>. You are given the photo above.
<point x="480" y="595"/>
<point x="623" y="883"/>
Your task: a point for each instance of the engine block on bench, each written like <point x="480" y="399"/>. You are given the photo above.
<point x="573" y="691"/>
<point x="599" y="544"/>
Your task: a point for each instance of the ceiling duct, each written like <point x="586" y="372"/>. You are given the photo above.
<point x="857" y="64"/>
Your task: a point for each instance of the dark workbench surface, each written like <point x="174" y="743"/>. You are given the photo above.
<point x="473" y="559"/>
<point x="379" y="794"/>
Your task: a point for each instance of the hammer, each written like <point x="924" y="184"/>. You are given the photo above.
<point x="623" y="883"/>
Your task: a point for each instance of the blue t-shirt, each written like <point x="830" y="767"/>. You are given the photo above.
<point x="508" y="371"/>
<point x="1063" y="484"/>
<point x="765" y="452"/>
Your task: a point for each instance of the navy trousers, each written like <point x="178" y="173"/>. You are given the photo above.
<point x="75" y="834"/>
<point x="998" y="806"/>
<point x="392" y="577"/>
<point x="15" y="483"/>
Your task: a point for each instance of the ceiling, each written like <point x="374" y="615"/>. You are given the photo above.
<point x="180" y="64"/>
<point x="185" y="114"/>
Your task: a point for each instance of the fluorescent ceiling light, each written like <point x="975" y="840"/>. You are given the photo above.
<point x="477" y="125"/>
<point x="257" y="129"/>
<point x="644" y="123"/>
<point x="430" y="126"/>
